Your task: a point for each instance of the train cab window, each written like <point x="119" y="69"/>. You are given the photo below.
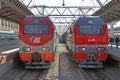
<point x="35" y="29"/>
<point x="91" y="29"/>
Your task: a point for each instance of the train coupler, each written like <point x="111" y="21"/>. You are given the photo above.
<point x="36" y="56"/>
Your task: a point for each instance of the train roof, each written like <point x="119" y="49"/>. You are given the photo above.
<point x="90" y="20"/>
<point x="37" y="17"/>
<point x="42" y="16"/>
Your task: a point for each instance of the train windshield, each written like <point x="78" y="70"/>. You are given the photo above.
<point x="35" y="29"/>
<point x="91" y="29"/>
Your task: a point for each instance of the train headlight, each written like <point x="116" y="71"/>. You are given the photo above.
<point x="26" y="49"/>
<point x="101" y="49"/>
<point x="82" y="49"/>
<point x="45" y="49"/>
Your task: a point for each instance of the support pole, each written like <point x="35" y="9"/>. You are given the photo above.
<point x="0" y="5"/>
<point x="111" y="29"/>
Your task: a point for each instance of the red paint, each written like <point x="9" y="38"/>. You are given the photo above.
<point x="25" y="56"/>
<point x="43" y="56"/>
<point x="80" y="56"/>
<point x="47" y="56"/>
<point x="101" y="56"/>
<point x="82" y="39"/>
<point x="44" y="38"/>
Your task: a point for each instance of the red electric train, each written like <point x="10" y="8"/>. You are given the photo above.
<point x="37" y="45"/>
<point x="87" y="39"/>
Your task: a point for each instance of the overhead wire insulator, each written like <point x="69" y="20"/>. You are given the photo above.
<point x="63" y="3"/>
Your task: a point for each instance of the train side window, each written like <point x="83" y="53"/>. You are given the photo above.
<point x="102" y="30"/>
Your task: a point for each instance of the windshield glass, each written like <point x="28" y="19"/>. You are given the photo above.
<point x="35" y="29"/>
<point x="91" y="29"/>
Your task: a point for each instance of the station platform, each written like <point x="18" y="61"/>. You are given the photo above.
<point x="114" y="52"/>
<point x="7" y="58"/>
<point x="8" y="44"/>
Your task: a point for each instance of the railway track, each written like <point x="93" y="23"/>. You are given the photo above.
<point x="94" y="74"/>
<point x="20" y="73"/>
<point x="63" y="68"/>
<point x="97" y="74"/>
<point x="32" y="75"/>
